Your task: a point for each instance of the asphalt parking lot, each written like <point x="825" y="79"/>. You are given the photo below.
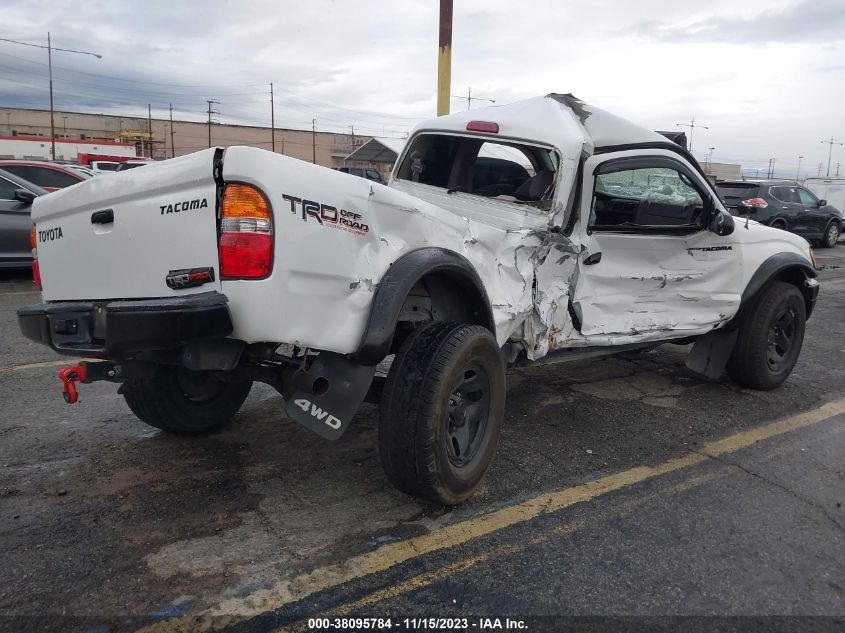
<point x="623" y="487"/>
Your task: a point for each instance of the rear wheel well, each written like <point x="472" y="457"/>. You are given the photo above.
<point x="441" y="296"/>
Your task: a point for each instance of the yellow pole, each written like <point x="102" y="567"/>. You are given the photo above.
<point x="444" y="58"/>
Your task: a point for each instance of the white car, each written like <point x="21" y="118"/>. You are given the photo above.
<point x="103" y="166"/>
<point x="543" y="231"/>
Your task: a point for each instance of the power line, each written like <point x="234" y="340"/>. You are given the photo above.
<point x="692" y="126"/>
<point x="469" y="98"/>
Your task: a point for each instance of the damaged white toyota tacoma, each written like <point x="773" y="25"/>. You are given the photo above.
<point x="543" y="231"/>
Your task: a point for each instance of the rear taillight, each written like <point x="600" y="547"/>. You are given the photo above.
<point x="36" y="271"/>
<point x="246" y="233"/>
<point x="755" y="203"/>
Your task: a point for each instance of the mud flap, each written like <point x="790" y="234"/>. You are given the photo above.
<point x="339" y="386"/>
<point x="711" y="352"/>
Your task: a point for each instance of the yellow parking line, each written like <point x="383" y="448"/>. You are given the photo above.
<point x="428" y="578"/>
<point x="387" y="556"/>
<point x="51" y="363"/>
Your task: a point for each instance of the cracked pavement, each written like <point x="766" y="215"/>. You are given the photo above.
<point x="102" y="517"/>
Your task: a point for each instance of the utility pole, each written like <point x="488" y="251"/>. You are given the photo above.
<point x="709" y="162"/>
<point x="211" y="111"/>
<point x="837" y="169"/>
<point x="314" y="141"/>
<point x="798" y="176"/>
<point x="272" y="119"/>
<point x="172" y="144"/>
<point x="165" y="140"/>
<point x="150" y="127"/>
<point x="469" y="98"/>
<point x="691" y="125"/>
<point x="52" y="109"/>
<point x="50" y="50"/>
<point x="444" y="58"/>
<point x="820" y="169"/>
<point x="771" y="173"/>
<point x="831" y="142"/>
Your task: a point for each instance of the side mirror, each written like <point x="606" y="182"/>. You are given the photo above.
<point x="24" y="195"/>
<point x="822" y="203"/>
<point x="722" y="224"/>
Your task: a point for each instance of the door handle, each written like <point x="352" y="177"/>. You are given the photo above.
<point x="595" y="258"/>
<point x="102" y="217"/>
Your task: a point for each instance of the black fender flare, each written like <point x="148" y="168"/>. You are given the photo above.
<point x="711" y="352"/>
<point x="397" y="283"/>
<point x="770" y="269"/>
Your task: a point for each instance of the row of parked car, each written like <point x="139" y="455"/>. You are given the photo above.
<point x="783" y="204"/>
<point x="21" y="181"/>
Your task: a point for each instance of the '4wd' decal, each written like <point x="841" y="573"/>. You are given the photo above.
<point x="317" y="412"/>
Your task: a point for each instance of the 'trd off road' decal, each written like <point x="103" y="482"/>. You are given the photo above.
<point x="327" y="215"/>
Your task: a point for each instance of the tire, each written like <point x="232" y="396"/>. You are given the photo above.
<point x="770" y="338"/>
<point x="441" y="411"/>
<point x="778" y="224"/>
<point x="831" y="235"/>
<point x="185" y="402"/>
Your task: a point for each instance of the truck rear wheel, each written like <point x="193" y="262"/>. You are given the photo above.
<point x="770" y="338"/>
<point x="178" y="400"/>
<point x="441" y="411"/>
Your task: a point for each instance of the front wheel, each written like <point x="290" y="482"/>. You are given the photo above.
<point x="441" y="411"/>
<point x="831" y="235"/>
<point x="770" y="338"/>
<point x="181" y="401"/>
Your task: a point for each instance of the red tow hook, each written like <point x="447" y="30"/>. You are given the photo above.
<point x="69" y="376"/>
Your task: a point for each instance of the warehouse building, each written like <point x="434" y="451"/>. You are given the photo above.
<point x="156" y="138"/>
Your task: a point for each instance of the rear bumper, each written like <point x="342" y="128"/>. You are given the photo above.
<point x="120" y="329"/>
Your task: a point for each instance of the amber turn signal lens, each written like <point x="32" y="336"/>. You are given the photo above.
<point x="244" y="201"/>
<point x="32" y="237"/>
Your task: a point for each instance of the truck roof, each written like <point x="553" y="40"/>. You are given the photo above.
<point x="561" y="120"/>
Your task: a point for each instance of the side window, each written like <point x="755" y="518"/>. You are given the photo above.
<point x="511" y="172"/>
<point x="7" y="189"/>
<point x="52" y="178"/>
<point x="43" y="176"/>
<point x="807" y="198"/>
<point x="652" y="197"/>
<point x="786" y="194"/>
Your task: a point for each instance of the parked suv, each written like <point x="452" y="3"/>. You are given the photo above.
<point x="783" y="205"/>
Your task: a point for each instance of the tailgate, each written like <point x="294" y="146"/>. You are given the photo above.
<point x="118" y="236"/>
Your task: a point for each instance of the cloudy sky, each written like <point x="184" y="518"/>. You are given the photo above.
<point x="766" y="76"/>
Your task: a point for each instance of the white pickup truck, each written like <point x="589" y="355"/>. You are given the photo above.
<point x="543" y="231"/>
